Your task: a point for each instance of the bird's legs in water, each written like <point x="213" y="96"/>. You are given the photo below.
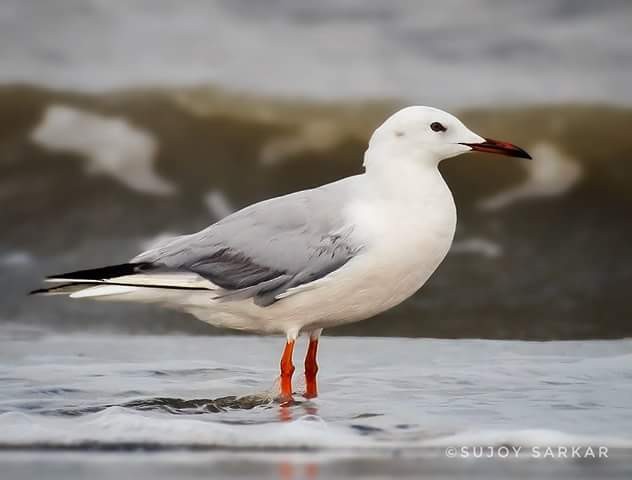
<point x="311" y="367"/>
<point x="287" y="369"/>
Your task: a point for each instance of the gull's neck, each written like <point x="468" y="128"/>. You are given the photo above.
<point x="404" y="203"/>
<point x="404" y="175"/>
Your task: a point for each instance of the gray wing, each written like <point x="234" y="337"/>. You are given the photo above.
<point x="267" y="248"/>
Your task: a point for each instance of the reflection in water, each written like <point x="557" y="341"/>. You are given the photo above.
<point x="289" y="470"/>
<point x="287" y="410"/>
<point x="292" y="471"/>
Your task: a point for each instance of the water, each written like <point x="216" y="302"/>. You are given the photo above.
<point x="451" y="53"/>
<point x="146" y="405"/>
<point x="529" y="242"/>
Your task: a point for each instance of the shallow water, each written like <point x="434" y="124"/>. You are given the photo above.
<point x="451" y="53"/>
<point x="105" y="404"/>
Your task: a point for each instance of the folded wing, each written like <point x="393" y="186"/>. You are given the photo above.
<point x="260" y="252"/>
<point x="265" y="249"/>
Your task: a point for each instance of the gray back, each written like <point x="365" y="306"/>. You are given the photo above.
<point x="269" y="247"/>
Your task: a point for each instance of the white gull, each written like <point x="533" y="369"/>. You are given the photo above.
<point x="313" y="259"/>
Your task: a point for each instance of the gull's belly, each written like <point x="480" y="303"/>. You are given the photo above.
<point x="380" y="277"/>
<point x="401" y="248"/>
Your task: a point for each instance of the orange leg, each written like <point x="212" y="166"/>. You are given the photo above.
<point x="311" y="368"/>
<point x="287" y="369"/>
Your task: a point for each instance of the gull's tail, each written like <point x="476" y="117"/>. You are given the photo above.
<point x="127" y="281"/>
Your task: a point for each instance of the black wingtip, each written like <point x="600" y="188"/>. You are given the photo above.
<point x="57" y="288"/>
<point x="101" y="273"/>
<point x="38" y="291"/>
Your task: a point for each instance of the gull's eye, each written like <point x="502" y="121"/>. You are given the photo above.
<point x="437" y="127"/>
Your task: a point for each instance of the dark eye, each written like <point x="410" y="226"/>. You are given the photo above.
<point x="437" y="127"/>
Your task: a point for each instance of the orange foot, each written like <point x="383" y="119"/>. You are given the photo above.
<point x="311" y="368"/>
<point x="287" y="370"/>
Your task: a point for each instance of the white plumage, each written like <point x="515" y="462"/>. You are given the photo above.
<point x="318" y="258"/>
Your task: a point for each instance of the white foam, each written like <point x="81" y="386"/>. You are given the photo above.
<point x="218" y="204"/>
<point x="379" y="393"/>
<point x="111" y="146"/>
<point x="477" y="245"/>
<point x="311" y="48"/>
<point x="16" y="259"/>
<point x="549" y="174"/>
<point x="314" y="136"/>
<point x="117" y="424"/>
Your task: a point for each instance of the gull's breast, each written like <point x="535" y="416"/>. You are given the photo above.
<point x="400" y="246"/>
<point x="403" y="248"/>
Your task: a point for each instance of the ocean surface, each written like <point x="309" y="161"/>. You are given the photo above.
<point x="452" y="53"/>
<point x="92" y="179"/>
<point x="125" y="123"/>
<point x="73" y="406"/>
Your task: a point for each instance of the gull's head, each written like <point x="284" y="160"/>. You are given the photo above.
<point x="430" y="135"/>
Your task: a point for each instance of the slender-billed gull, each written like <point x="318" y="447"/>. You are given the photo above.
<point x="312" y="259"/>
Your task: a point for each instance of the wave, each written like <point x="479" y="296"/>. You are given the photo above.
<point x="93" y="178"/>
<point x="121" y="428"/>
<point x="117" y="425"/>
<point x="556" y="50"/>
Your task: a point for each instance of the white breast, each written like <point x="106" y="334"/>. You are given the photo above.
<point x="405" y="245"/>
<point x="404" y="239"/>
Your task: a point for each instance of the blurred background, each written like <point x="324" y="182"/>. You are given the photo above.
<point x="125" y="122"/>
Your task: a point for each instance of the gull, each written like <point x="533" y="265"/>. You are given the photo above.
<point x="313" y="259"/>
